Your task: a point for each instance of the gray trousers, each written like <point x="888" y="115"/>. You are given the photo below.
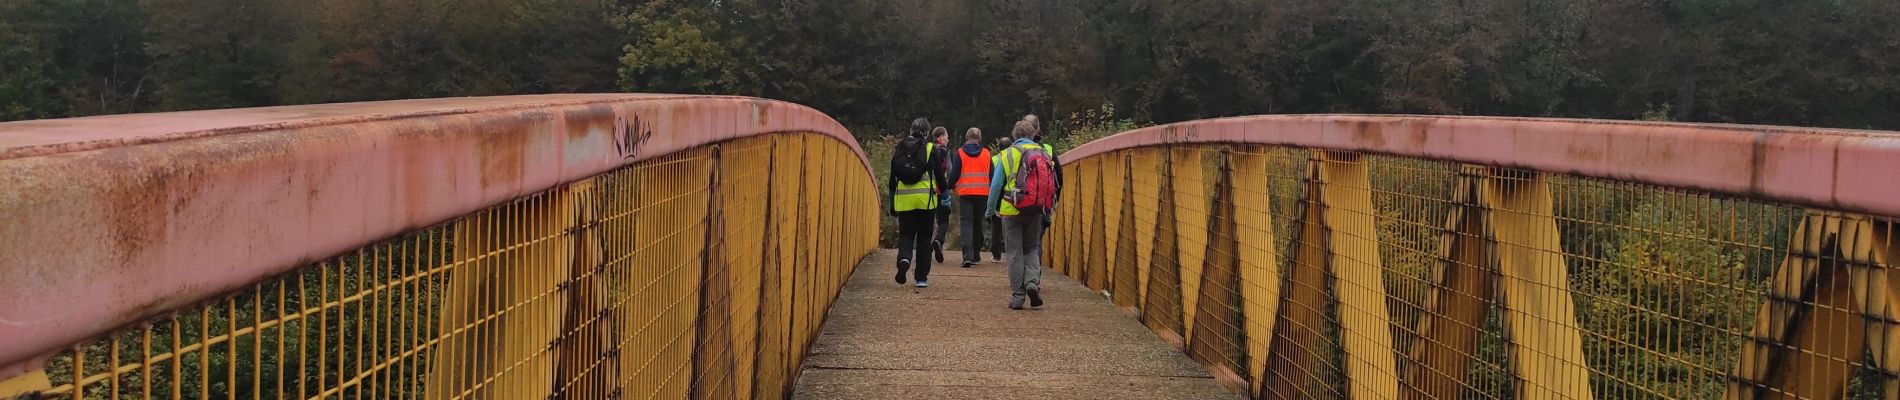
<point x="1023" y="237"/>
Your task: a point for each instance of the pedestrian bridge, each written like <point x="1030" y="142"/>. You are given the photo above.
<point x="663" y="246"/>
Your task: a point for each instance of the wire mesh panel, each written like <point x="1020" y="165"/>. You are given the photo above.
<point x="1329" y="274"/>
<point x="670" y="278"/>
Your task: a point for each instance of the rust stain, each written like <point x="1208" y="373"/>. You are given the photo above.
<point x="417" y="180"/>
<point x="580" y="122"/>
<point x="1758" y="160"/>
<point x="1579" y="151"/>
<point x="761" y="112"/>
<point x="135" y="204"/>
<point x="1368" y="134"/>
<point x="500" y="150"/>
<point x="1416" y="129"/>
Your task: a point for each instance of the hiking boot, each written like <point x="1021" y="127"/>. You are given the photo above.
<point x="968" y="263"/>
<point x="1035" y="297"/>
<point x="903" y="266"/>
<point x="937" y="246"/>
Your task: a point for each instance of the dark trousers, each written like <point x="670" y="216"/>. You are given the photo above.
<point x="913" y="240"/>
<point x="972" y="209"/>
<point x="943" y="222"/>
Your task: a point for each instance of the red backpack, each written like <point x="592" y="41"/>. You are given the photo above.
<point x="1035" y="180"/>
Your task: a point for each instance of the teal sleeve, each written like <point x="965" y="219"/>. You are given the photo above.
<point x="996" y="188"/>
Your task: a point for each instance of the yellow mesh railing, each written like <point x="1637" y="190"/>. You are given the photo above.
<point x="701" y="274"/>
<point x="1303" y="273"/>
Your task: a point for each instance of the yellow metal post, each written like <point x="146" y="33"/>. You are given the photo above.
<point x="1161" y="305"/>
<point x="1258" y="263"/>
<point x="1127" y="273"/>
<point x="1145" y="185"/>
<point x="1215" y="336"/>
<point x="1831" y="295"/>
<point x="1096" y="255"/>
<point x="1359" y="278"/>
<point x="1292" y="359"/>
<point x="1539" y="315"/>
<point x="585" y="367"/>
<point x="1191" y="212"/>
<point x="30" y="382"/>
<point x="1461" y="293"/>
<point x="503" y="284"/>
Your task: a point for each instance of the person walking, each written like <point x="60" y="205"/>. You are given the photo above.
<point x="916" y="175"/>
<point x="972" y="166"/>
<point x="1021" y="192"/>
<point x="996" y="223"/>
<point x="941" y="137"/>
<point x="1035" y="125"/>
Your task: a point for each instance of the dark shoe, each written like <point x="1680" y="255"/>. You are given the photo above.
<point x="1035" y="297"/>
<point x="967" y="264"/>
<point x="903" y="266"/>
<point x="1015" y="306"/>
<point x="937" y="246"/>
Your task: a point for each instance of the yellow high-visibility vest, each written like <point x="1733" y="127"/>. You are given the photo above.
<point x="917" y="196"/>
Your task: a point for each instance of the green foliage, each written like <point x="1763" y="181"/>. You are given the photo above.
<point x="981" y="63"/>
<point x="1088" y="125"/>
<point x="677" y="47"/>
<point x="1663" y="286"/>
<point x="878" y="150"/>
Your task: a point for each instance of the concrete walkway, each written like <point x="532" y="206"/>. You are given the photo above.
<point x="957" y="340"/>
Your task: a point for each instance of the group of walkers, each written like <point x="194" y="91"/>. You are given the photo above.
<point x="1012" y="187"/>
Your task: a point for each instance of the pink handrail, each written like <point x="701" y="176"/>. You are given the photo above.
<point x="1845" y="170"/>
<point x="113" y="219"/>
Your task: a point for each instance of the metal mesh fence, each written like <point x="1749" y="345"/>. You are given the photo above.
<point x="700" y="274"/>
<point x="1301" y="273"/>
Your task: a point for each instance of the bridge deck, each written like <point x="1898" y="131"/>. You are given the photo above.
<point x="957" y="340"/>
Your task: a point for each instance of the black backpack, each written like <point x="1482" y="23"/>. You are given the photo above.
<point x="908" y="161"/>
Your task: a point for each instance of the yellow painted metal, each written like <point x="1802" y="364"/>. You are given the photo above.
<point x="29" y="382"/>
<point x="1161" y="304"/>
<point x="1834" y="299"/>
<point x="1358" y="275"/>
<point x="671" y="278"/>
<point x="1094" y="256"/>
<point x="1539" y="315"/>
<point x="1294" y="369"/>
<point x="1407" y="278"/>
<point x="1258" y="260"/>
<point x="1146" y="191"/>
<point x="1191" y="220"/>
<point x="1462" y="285"/>
<point x="1216" y="336"/>
<point x="1128" y="287"/>
<point x="1111" y="186"/>
<point x="1500" y="245"/>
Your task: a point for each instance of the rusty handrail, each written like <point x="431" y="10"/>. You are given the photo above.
<point x="113" y="219"/>
<point x="1847" y="170"/>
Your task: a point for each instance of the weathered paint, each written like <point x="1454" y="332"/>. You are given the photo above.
<point x="1837" y="169"/>
<point x="114" y="219"/>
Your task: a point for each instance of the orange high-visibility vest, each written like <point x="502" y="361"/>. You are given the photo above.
<point x="974" y="179"/>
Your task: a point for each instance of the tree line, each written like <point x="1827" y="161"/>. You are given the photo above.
<point x="874" y="64"/>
